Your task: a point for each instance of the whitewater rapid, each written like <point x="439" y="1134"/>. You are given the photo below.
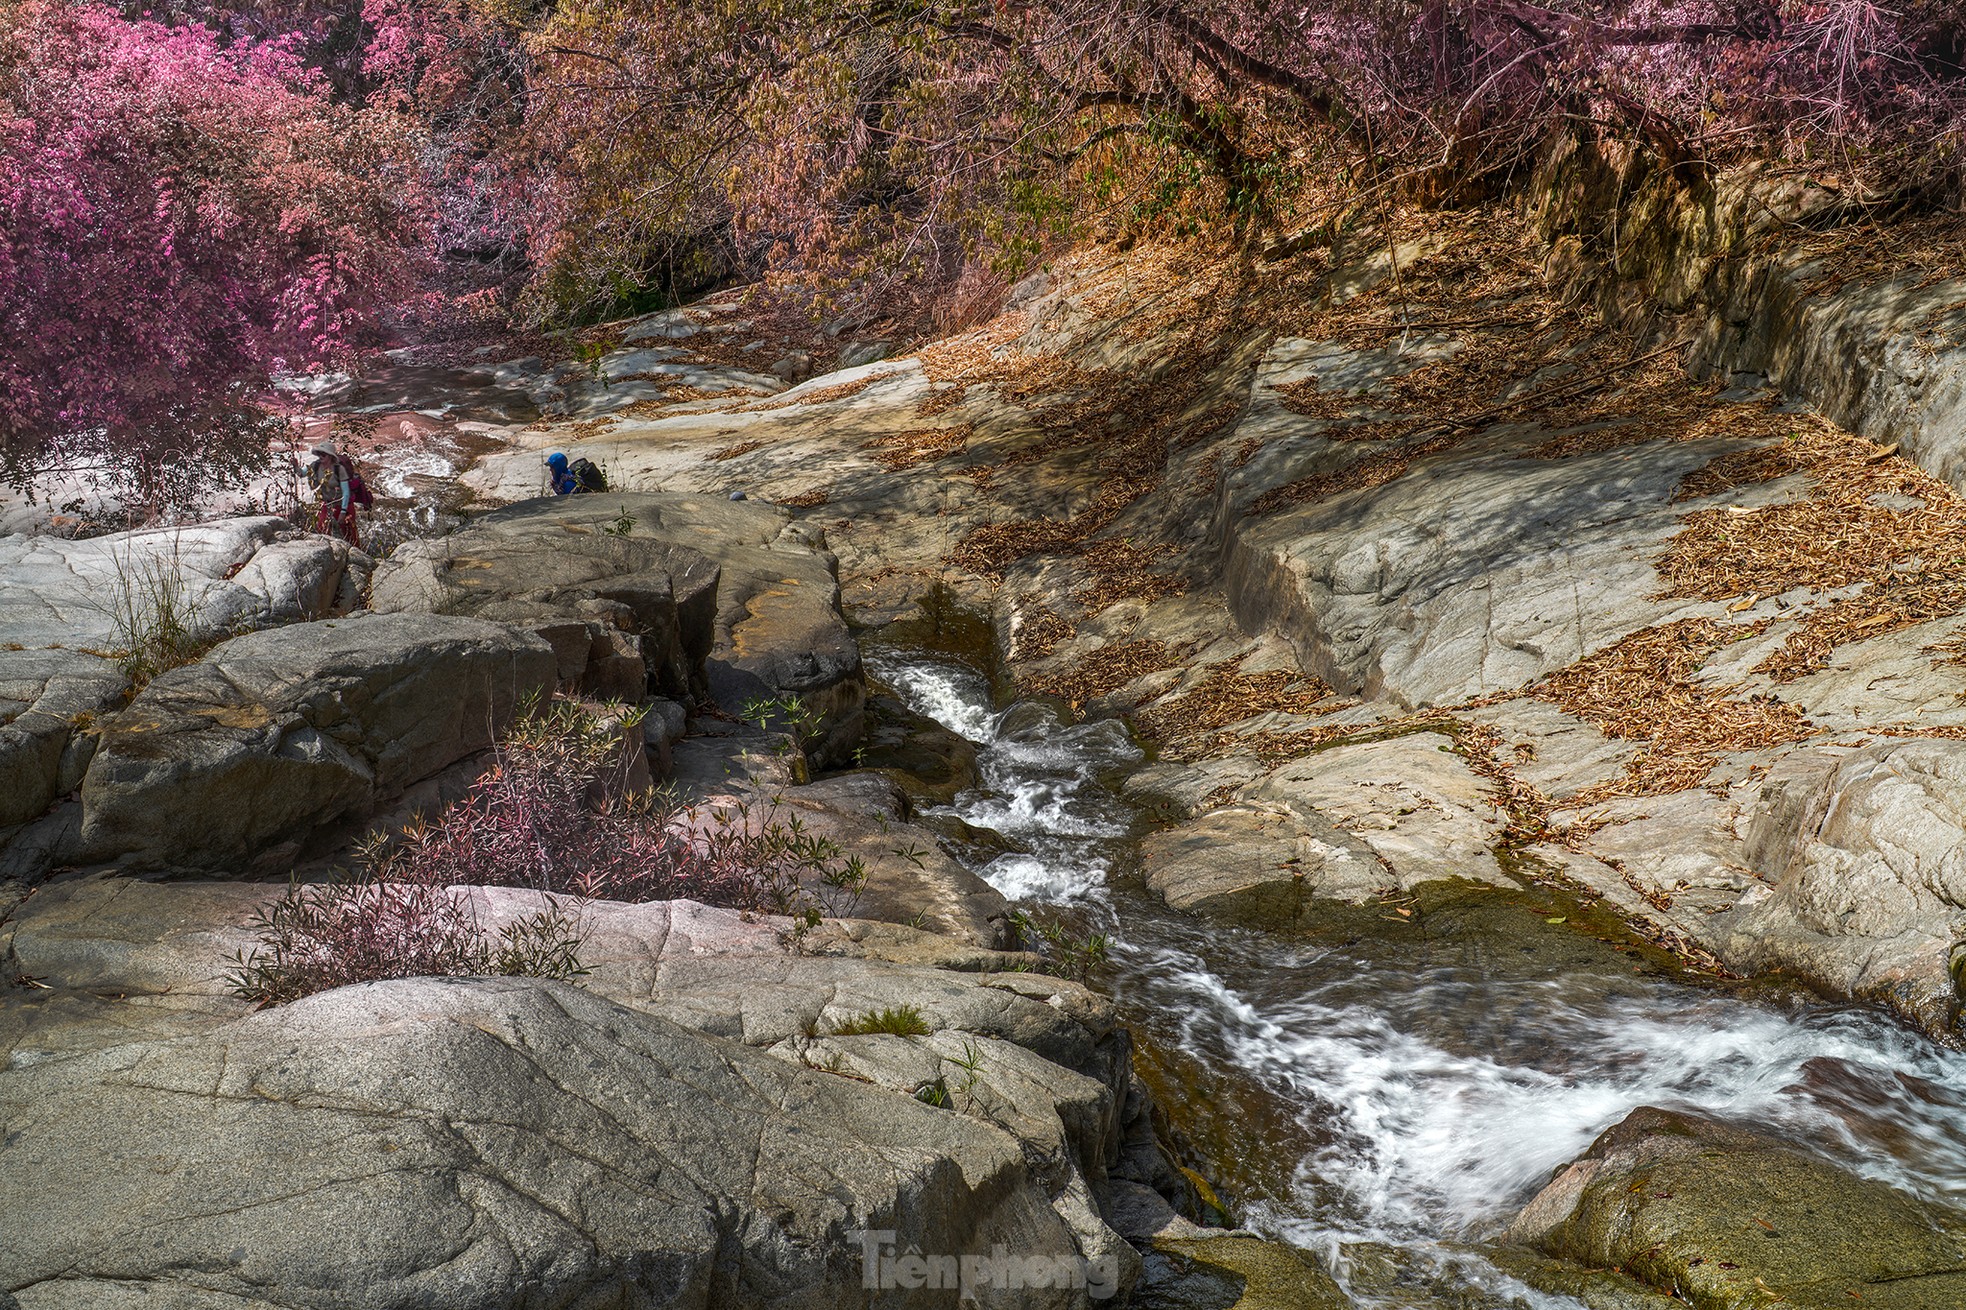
<point x="1431" y="1100"/>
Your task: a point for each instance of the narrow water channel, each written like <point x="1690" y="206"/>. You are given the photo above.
<point x="1391" y="1098"/>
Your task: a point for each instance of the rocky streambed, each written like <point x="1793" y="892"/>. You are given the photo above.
<point x="1389" y="1088"/>
<point x="1376" y="790"/>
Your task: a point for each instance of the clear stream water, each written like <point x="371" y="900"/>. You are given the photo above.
<point x="1406" y="1092"/>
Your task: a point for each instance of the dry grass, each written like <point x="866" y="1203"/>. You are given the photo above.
<point x="737" y="451"/>
<point x="1642" y="689"/>
<point x="806" y="499"/>
<point x="904" y="450"/>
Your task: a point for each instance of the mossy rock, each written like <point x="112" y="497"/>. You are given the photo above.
<point x="1234" y="1272"/>
<point x="1728" y="1219"/>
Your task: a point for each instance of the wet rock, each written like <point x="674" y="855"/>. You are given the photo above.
<point x="1413" y="803"/>
<point x="277" y="733"/>
<point x="1724" y="1217"/>
<point x="623" y="615"/>
<point x="1234" y="1272"/>
<point x="910" y="878"/>
<point x="924" y="757"/>
<point x="1868" y="875"/>
<point x="1349" y="824"/>
<point x="1259" y="867"/>
<point x="1141" y="1215"/>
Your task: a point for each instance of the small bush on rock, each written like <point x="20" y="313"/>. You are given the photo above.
<point x="556" y="813"/>
<point x="320" y="936"/>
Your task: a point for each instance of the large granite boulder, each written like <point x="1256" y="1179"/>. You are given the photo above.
<point x="1726" y="1218"/>
<point x="216" y="578"/>
<point x="1865" y="861"/>
<point x="625" y="615"/>
<point x="778" y="630"/>
<point x="1345" y="825"/>
<point x="277" y="733"/>
<point x="708" y="1109"/>
<point x="486" y="1143"/>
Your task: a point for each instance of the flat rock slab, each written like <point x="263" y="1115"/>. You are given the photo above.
<point x="89" y="594"/>
<point x="277" y="733"/>
<point x="494" y="1143"/>
<point x="1416" y="805"/>
<point x="1726" y="1217"/>
<point x="1347" y="824"/>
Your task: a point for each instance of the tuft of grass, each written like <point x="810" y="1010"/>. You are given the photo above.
<point x="1070" y="950"/>
<point x="896" y="1020"/>
<point x="150" y="608"/>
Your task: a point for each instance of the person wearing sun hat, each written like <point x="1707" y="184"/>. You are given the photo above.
<point x="338" y="491"/>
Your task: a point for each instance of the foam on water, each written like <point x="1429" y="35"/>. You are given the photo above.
<point x="1430" y="1137"/>
<point x="1040" y="780"/>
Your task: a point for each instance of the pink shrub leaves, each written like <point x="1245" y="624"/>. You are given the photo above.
<point x="193" y="200"/>
<point x="554" y="814"/>
<point x="178" y="219"/>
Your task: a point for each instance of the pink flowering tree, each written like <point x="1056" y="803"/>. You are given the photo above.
<point x="180" y="218"/>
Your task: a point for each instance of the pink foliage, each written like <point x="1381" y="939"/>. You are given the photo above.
<point x="555" y="814"/>
<point x="178" y="218"/>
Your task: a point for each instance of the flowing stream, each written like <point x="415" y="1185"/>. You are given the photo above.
<point x="1391" y="1099"/>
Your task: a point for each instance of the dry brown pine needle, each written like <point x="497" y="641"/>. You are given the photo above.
<point x="904" y="450"/>
<point x="1642" y="689"/>
<point x="1226" y="696"/>
<point x="1879" y="523"/>
<point x="1104" y="671"/>
<point x="1038" y="631"/>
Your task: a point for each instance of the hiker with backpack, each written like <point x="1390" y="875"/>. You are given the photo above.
<point x="339" y="490"/>
<point x="568" y="479"/>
